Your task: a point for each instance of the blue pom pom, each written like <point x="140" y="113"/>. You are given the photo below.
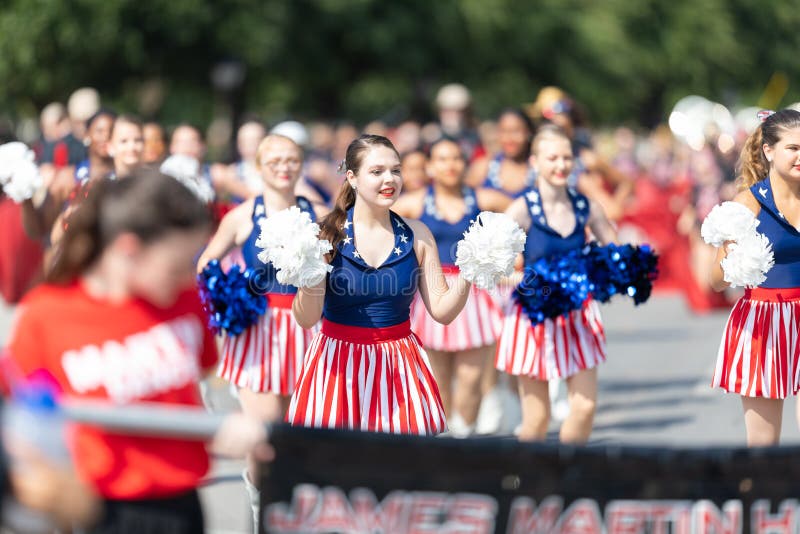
<point x="622" y="269"/>
<point x="558" y="284"/>
<point x="230" y="299"/>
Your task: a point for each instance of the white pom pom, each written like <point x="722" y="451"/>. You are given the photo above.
<point x="19" y="174"/>
<point x="748" y="261"/>
<point x="186" y="170"/>
<point x="489" y="248"/>
<point x="10" y="155"/>
<point x="728" y="222"/>
<point x="290" y="241"/>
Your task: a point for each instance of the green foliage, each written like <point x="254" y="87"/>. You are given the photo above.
<point x="365" y="59"/>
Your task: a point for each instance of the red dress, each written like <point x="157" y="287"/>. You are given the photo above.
<point x="20" y="257"/>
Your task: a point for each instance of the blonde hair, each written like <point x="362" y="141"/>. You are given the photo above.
<point x="265" y="143"/>
<point x="547" y="131"/>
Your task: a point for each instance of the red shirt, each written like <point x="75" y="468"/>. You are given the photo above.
<point x="125" y="353"/>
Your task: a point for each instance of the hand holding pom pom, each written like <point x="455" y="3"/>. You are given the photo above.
<point x="290" y="241"/>
<point x="19" y="174"/>
<point x="728" y="221"/>
<point x="748" y="261"/>
<point x="489" y="248"/>
<point x="230" y="299"/>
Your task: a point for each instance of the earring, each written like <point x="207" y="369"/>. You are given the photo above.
<point x="353" y="186"/>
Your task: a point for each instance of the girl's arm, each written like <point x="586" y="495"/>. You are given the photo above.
<point x="477" y="172"/>
<point x="599" y="224"/>
<point x="716" y="276"/>
<point x="443" y="302"/>
<point x="409" y="205"/>
<point x="229" y="234"/>
<point x="307" y="305"/>
<point x="518" y="210"/>
<point x="491" y="200"/>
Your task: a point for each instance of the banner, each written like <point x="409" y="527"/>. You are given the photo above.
<point x="324" y="481"/>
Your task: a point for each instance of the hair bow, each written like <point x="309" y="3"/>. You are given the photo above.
<point x="764" y="114"/>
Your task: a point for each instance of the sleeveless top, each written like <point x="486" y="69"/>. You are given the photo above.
<point x="82" y="172"/>
<point x="543" y="241"/>
<point x="447" y="234"/>
<point x="267" y="280"/>
<point x="784" y="237"/>
<point x="494" y="181"/>
<point x="358" y="294"/>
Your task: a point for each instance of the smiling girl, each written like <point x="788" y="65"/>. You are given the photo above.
<point x="365" y="369"/>
<point x="555" y="217"/>
<point x="758" y="356"/>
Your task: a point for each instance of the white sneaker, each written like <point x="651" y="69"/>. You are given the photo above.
<point x="458" y="428"/>
<point x="490" y="414"/>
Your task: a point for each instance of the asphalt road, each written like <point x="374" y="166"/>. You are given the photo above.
<point x="654" y="390"/>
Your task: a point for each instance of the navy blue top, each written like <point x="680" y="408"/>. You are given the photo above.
<point x="494" y="181"/>
<point x="82" y="172"/>
<point x="784" y="237"/>
<point x="447" y="234"/>
<point x="267" y="279"/>
<point x="543" y="241"/>
<point x="360" y="295"/>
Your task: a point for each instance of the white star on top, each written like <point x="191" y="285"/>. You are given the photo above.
<point x="397" y="251"/>
<point x="533" y="196"/>
<point x="400" y="225"/>
<point x="581" y="204"/>
<point x="347" y="240"/>
<point x="541" y="220"/>
<point x="403" y="238"/>
<point x="260" y="209"/>
<point x="535" y="209"/>
<point x="762" y="191"/>
<point x="356" y="254"/>
<point x="346" y="225"/>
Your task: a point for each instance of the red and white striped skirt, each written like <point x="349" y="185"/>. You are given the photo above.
<point x="555" y="348"/>
<point x="479" y="324"/>
<point x="758" y="356"/>
<point x="371" y="379"/>
<point x="268" y="356"/>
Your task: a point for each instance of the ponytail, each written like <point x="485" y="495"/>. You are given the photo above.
<point x="80" y="245"/>
<point x="753" y="164"/>
<point x="331" y="226"/>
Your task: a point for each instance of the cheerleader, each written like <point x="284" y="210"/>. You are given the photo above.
<point x="758" y="356"/>
<point x="570" y="346"/>
<point x="508" y="171"/>
<point x="265" y="360"/>
<point x="99" y="163"/>
<point x="125" y="147"/>
<point x="458" y="351"/>
<point x="365" y="369"/>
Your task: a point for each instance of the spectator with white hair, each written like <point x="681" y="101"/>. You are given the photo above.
<point x="454" y="106"/>
<point x="83" y="103"/>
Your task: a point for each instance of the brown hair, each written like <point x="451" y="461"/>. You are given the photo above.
<point x="126" y="119"/>
<point x="753" y="165"/>
<point x="148" y="204"/>
<point x="331" y="226"/>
